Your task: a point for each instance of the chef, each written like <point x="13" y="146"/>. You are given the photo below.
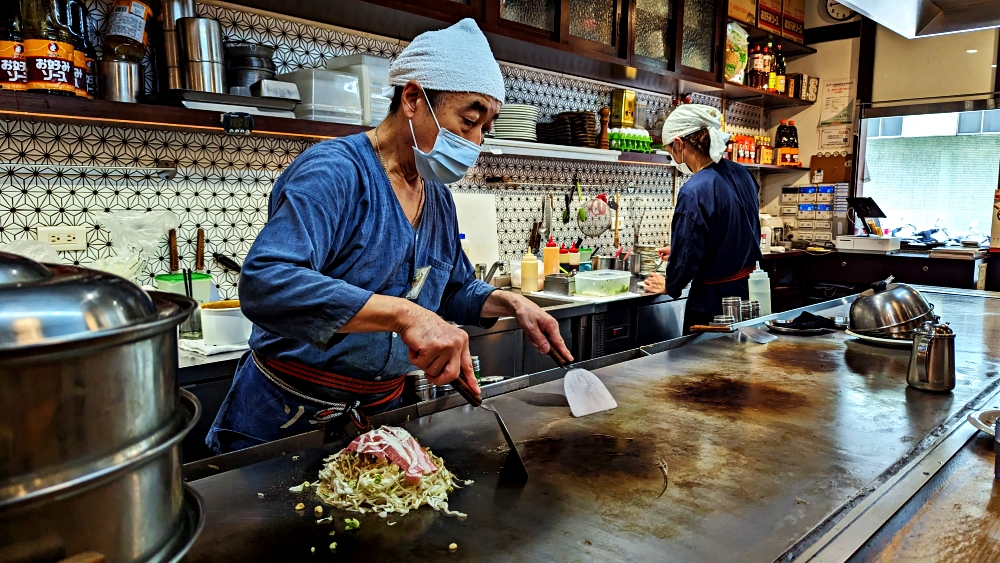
<point x="358" y="274"/>
<point x="715" y="233"/>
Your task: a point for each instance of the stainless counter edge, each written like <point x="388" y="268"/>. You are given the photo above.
<point x="195" y="368"/>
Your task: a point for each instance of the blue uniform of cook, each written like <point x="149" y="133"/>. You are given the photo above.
<point x="335" y="235"/>
<point x="715" y="233"/>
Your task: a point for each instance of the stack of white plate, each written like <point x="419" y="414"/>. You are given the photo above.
<point x="516" y="121"/>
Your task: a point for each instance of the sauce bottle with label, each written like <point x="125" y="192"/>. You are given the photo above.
<point x="13" y="68"/>
<point x="127" y="30"/>
<point x="564" y="257"/>
<point x="85" y="81"/>
<point x="48" y="48"/>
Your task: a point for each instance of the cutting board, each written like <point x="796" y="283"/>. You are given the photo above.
<point x="477" y="218"/>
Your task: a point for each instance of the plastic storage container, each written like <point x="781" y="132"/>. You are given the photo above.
<point x="333" y="114"/>
<point x="373" y="76"/>
<point x="327" y="95"/>
<point x="174" y="283"/>
<point x="220" y="327"/>
<point x="602" y="283"/>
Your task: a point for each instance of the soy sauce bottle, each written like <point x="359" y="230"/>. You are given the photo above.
<point x="48" y="48"/>
<point x="13" y="69"/>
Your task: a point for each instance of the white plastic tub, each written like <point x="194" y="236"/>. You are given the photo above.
<point x="221" y="327"/>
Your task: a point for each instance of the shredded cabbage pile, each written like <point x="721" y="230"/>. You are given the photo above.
<point x="363" y="483"/>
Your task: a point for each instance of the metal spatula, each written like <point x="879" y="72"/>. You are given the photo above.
<point x="513" y="468"/>
<point x="585" y="393"/>
<point x="757" y="335"/>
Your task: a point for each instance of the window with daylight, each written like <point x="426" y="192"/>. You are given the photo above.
<point x="936" y="171"/>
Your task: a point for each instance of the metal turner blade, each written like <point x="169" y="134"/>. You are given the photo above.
<point x="513" y="469"/>
<point x="757" y="335"/>
<point x="585" y="393"/>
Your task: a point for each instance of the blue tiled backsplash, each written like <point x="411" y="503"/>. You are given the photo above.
<point x="222" y="182"/>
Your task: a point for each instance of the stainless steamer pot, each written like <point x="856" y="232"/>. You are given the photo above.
<point x="91" y="416"/>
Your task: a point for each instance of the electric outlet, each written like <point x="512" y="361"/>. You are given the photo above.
<point x="65" y="237"/>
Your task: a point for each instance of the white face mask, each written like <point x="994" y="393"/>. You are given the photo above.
<point x="450" y="158"/>
<point x="682" y="167"/>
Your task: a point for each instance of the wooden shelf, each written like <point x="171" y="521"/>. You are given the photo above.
<point x="642" y="158"/>
<point x="65" y="109"/>
<point x="543" y="150"/>
<point x="789" y="48"/>
<point x="755" y="97"/>
<point x="775" y="168"/>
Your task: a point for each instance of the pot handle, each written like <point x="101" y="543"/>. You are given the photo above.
<point x="880" y="286"/>
<point x="921" y="353"/>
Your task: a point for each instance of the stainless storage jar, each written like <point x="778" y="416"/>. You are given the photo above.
<point x="118" y="81"/>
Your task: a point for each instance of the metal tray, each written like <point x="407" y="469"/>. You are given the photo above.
<point x="175" y="97"/>
<point x="778" y="326"/>
<point x="874" y="340"/>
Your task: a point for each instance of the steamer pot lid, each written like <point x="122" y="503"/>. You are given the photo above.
<point x="58" y="302"/>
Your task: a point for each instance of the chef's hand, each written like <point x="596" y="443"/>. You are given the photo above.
<point x="438" y="347"/>
<point x="663" y="253"/>
<point x="655" y="283"/>
<point x="542" y="330"/>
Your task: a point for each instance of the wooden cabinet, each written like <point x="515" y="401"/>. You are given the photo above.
<point x="596" y="29"/>
<point x="445" y="10"/>
<point x="654" y="34"/>
<point x="699" y="30"/>
<point x="669" y="46"/>
<point x="841" y="267"/>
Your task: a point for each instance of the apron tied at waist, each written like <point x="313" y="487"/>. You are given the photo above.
<point x="740" y="275"/>
<point x="275" y="370"/>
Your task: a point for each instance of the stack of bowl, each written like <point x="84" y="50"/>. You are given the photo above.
<point x="889" y="310"/>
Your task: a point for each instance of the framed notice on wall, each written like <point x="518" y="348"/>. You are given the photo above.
<point x="838" y="137"/>
<point x="838" y="105"/>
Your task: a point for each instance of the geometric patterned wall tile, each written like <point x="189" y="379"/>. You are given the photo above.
<point x="223" y="183"/>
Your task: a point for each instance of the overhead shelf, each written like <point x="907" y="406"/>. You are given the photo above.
<point x="642" y="158"/>
<point x="774" y="168"/>
<point x="542" y="150"/>
<point x="755" y="97"/>
<point x="65" y="109"/>
<point x="789" y="48"/>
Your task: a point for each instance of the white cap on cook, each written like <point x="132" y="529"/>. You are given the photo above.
<point x="453" y="59"/>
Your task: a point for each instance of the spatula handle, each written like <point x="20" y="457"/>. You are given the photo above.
<point x="557" y="357"/>
<point x="464" y="390"/>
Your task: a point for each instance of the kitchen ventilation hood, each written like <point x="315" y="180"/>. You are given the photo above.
<point x="924" y="18"/>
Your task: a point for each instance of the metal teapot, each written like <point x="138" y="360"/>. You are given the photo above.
<point x="932" y="359"/>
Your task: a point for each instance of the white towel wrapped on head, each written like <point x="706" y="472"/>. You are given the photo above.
<point x="689" y="118"/>
<point x="454" y="59"/>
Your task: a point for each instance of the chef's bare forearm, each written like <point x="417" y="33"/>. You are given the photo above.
<point x="502" y="304"/>
<point x="384" y="314"/>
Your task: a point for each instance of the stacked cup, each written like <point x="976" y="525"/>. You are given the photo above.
<point x="204" y="62"/>
<point x="173" y="10"/>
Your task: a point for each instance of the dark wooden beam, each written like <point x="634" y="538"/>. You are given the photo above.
<point x="836" y="32"/>
<point x="866" y="60"/>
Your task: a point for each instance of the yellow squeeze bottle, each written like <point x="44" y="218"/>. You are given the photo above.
<point x="550" y="257"/>
<point x="529" y="273"/>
